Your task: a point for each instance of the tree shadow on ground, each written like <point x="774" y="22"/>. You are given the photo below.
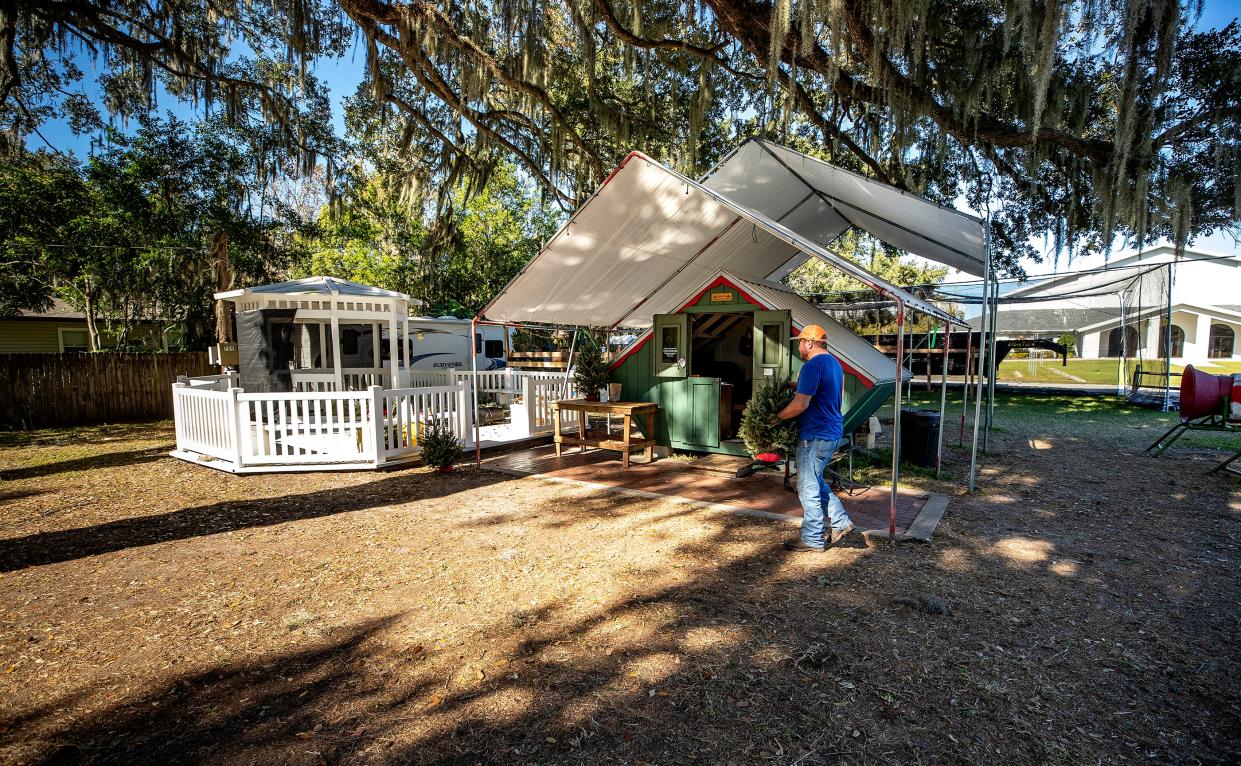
<point x="106" y="433"/>
<point x="68" y="544"/>
<point x="873" y="655"/>
<point x="92" y="462"/>
<point x="234" y="710"/>
<point x="1037" y="628"/>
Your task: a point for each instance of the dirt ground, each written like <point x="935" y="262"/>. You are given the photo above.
<point x="1083" y="607"/>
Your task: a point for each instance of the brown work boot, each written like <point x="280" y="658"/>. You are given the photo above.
<point x="799" y="546"/>
<point x="840" y="534"/>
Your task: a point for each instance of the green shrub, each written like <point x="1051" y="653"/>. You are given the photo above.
<point x="440" y="447"/>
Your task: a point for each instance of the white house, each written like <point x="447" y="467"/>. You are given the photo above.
<point x="1205" y="308"/>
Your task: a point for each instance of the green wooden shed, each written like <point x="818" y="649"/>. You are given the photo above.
<point x="702" y="362"/>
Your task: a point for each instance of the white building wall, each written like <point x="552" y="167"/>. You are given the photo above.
<point x="1195" y="347"/>
<point x="1090" y="345"/>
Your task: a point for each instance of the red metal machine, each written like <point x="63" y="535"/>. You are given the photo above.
<point x="1208" y="403"/>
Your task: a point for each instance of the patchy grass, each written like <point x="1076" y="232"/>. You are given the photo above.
<point x="1080" y="608"/>
<point x="1098" y="372"/>
<point x="1105" y="419"/>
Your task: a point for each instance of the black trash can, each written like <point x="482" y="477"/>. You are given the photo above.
<point x="919" y="437"/>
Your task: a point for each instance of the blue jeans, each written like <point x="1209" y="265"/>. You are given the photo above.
<point x="817" y="500"/>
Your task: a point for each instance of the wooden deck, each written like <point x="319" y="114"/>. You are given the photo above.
<point x="760" y="494"/>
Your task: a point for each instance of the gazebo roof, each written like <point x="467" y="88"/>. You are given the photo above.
<point x="316" y="286"/>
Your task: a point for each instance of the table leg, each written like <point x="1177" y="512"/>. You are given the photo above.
<point x="558" y="437"/>
<point x="582" y="420"/>
<point x="650" y="436"/>
<point x="627" y="424"/>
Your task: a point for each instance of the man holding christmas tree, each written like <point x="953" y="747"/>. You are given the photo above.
<point x="820" y="388"/>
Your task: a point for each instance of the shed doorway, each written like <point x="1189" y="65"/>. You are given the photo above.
<point x="708" y="364"/>
<point x="722" y="347"/>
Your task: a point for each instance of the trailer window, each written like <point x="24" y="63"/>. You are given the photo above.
<point x="495" y="349"/>
<point x="478" y="343"/>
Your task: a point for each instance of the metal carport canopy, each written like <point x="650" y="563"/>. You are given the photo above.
<point x="643" y="241"/>
<point x="821" y="201"/>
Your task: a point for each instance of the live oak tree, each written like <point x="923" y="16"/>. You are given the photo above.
<point x="1075" y="120"/>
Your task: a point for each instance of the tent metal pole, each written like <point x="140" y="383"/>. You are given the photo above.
<point x="478" y="446"/>
<point x="896" y="417"/>
<point x="982" y="358"/>
<point x="1167" y="367"/>
<point x="966" y="381"/>
<point x="909" y="344"/>
<point x="943" y="401"/>
<point x="991" y="364"/>
<point x="1122" y="368"/>
<point x="568" y="365"/>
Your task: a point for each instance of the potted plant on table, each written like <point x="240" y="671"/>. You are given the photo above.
<point x="440" y="447"/>
<point x="590" y="369"/>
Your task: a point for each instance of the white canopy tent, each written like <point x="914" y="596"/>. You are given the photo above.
<point x="649" y="235"/>
<point x="821" y="202"/>
<point x="645" y="238"/>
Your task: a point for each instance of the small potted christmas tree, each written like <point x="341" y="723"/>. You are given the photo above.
<point x="440" y="447"/>
<point x="768" y="441"/>
<point x="590" y="369"/>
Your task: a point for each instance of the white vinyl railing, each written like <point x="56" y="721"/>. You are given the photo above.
<point x="210" y="382"/>
<point x="307" y="428"/>
<point x="205" y="421"/>
<point x="506" y="381"/>
<point x="538" y="396"/>
<point x="409" y="412"/>
<point x="353" y="378"/>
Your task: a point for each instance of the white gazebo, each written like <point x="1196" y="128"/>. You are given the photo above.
<point x="317" y="312"/>
<point x="313" y="391"/>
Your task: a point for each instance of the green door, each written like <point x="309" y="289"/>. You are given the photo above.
<point x="671" y="338"/>
<point x="772" y="331"/>
<point x="692" y="409"/>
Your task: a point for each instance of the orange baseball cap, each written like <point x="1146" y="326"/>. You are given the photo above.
<point x="812" y="332"/>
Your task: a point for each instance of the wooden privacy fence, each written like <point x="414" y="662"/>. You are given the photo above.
<point x="70" y="389"/>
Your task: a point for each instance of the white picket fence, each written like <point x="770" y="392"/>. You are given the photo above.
<point x="537" y="397"/>
<point x="315" y="428"/>
<point x="205" y="421"/>
<point x="368" y="428"/>
<point x="211" y="382"/>
<point x="354" y="378"/>
<point x="504" y="381"/>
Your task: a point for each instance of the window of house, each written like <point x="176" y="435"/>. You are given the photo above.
<point x="74" y="340"/>
<point x="495" y="349"/>
<point x="1221" y="343"/>
<point x="478" y="343"/>
<point x="1178" y="341"/>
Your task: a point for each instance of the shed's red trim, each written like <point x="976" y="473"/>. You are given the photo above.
<point x="725" y="281"/>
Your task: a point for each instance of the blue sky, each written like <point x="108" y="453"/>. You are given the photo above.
<point x="344" y="74"/>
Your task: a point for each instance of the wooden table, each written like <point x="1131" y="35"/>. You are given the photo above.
<point x="629" y="411"/>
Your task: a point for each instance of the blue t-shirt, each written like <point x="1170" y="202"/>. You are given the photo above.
<point x="822" y="379"/>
